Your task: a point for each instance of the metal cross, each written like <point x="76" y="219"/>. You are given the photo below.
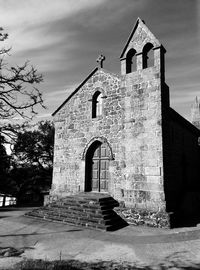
<point x="100" y="60"/>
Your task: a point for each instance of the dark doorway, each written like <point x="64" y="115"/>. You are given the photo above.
<point x="97" y="167"/>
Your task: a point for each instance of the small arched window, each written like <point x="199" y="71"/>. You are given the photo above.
<point x="148" y="56"/>
<point x="131" y="64"/>
<point x="97" y="103"/>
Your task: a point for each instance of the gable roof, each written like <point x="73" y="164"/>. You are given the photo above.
<point x="143" y="25"/>
<point x="75" y="91"/>
<point x="182" y="121"/>
<point x="130" y="36"/>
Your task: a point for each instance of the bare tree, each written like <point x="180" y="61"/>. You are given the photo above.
<point x="19" y="96"/>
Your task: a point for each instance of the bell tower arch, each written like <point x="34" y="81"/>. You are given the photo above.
<point x="143" y="47"/>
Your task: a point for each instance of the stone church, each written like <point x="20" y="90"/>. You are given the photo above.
<point x="117" y="134"/>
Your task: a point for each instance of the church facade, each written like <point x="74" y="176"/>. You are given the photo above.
<point x="117" y="134"/>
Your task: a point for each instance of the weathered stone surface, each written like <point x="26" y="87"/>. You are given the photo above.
<point x="130" y="123"/>
<point x="151" y="147"/>
<point x="127" y="125"/>
<point x="134" y="216"/>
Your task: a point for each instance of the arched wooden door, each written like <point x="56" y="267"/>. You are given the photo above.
<point x="97" y="167"/>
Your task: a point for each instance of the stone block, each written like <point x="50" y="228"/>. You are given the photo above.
<point x="154" y="179"/>
<point x="152" y="171"/>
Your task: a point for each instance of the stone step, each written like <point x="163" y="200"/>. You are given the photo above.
<point x="85" y="198"/>
<point x="77" y="222"/>
<point x="81" y="218"/>
<point x="77" y="211"/>
<point x="72" y="209"/>
<point x="88" y="197"/>
<point x="98" y="219"/>
<point x="90" y="210"/>
<point x="90" y="204"/>
<point x="108" y="225"/>
<point x="68" y="212"/>
<point x="84" y="215"/>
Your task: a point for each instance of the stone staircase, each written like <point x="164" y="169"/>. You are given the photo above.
<point x="93" y="210"/>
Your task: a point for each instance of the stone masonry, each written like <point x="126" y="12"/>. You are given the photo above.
<point x="134" y="124"/>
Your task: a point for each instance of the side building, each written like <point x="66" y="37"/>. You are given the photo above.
<point x="195" y="113"/>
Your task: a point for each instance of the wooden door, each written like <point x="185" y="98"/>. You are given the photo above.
<point x="100" y="169"/>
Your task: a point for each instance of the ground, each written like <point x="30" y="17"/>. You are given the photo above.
<point x="134" y="244"/>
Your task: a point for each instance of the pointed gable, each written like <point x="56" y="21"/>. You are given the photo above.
<point x="140" y="35"/>
<point x="76" y="90"/>
<point x="98" y="78"/>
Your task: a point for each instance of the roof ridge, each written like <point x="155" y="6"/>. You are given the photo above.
<point x="76" y="90"/>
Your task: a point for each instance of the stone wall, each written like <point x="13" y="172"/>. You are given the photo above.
<point x="75" y="128"/>
<point x="130" y="123"/>
<point x="142" y="182"/>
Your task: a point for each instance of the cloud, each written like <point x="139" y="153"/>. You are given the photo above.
<point x="60" y="94"/>
<point x="27" y="23"/>
<point x="23" y="13"/>
<point x="29" y="19"/>
<point x="63" y="38"/>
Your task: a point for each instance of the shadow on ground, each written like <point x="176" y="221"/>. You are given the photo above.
<point x="179" y="220"/>
<point x="36" y="233"/>
<point x="16" y="208"/>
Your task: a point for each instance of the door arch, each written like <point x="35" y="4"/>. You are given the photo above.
<point x="97" y="167"/>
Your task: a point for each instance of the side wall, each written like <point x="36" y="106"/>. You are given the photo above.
<point x="182" y="185"/>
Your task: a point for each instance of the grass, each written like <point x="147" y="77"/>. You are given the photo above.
<point x="71" y="265"/>
<point x="172" y="263"/>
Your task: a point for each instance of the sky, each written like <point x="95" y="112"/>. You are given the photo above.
<point x="63" y="38"/>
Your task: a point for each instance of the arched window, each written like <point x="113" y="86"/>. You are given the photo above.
<point x="97" y="103"/>
<point x="148" y="56"/>
<point x="131" y="64"/>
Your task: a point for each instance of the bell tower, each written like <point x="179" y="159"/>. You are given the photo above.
<point x="146" y="101"/>
<point x="142" y="50"/>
